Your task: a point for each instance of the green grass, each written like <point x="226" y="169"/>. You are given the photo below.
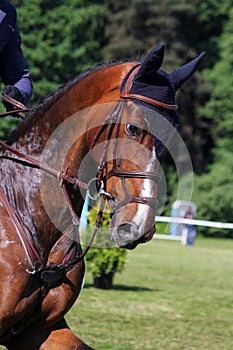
<point x="168" y="297"/>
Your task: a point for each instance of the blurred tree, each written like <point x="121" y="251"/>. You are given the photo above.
<point x="212" y="15"/>
<point x="214" y="189"/>
<point x="60" y="40"/>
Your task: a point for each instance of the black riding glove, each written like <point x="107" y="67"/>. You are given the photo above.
<point x="13" y="92"/>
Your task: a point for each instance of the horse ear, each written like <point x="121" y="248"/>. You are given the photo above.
<point x="180" y="75"/>
<point x="152" y="62"/>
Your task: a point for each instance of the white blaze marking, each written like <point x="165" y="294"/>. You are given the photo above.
<point x="147" y="191"/>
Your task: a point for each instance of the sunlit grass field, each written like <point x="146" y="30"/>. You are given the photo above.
<point x="168" y="297"/>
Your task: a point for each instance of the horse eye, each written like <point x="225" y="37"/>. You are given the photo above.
<point x="133" y="130"/>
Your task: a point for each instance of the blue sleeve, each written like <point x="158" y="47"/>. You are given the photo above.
<point x="13" y="70"/>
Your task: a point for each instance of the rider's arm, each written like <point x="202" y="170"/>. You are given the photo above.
<point x="13" y="70"/>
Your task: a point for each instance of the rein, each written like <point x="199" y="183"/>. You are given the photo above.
<point x="63" y="179"/>
<point x="18" y="107"/>
<point x="59" y="175"/>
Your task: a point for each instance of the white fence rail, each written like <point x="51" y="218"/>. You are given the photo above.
<point x="194" y="222"/>
<point x="183" y="237"/>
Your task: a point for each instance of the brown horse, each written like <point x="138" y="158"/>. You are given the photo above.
<point x="96" y="124"/>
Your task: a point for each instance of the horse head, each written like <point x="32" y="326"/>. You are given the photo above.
<point x="140" y="128"/>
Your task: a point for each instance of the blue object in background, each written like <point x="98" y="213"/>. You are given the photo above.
<point x="84" y="223"/>
<point x="179" y="209"/>
<point x="84" y="215"/>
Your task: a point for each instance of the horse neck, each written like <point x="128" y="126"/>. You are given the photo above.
<point x="47" y="135"/>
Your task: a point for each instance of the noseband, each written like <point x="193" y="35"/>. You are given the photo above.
<point x="129" y="198"/>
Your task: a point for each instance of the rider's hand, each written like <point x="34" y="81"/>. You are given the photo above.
<point x="13" y="92"/>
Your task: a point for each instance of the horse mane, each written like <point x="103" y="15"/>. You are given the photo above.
<point x="39" y="110"/>
<point x="45" y="104"/>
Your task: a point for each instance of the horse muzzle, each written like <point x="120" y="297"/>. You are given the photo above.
<point x="127" y="235"/>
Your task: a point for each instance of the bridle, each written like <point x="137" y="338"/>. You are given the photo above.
<point x="103" y="174"/>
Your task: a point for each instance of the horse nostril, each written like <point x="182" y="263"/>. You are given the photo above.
<point x="126" y="234"/>
<point x="124" y="230"/>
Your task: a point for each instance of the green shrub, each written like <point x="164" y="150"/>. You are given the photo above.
<point x="103" y="259"/>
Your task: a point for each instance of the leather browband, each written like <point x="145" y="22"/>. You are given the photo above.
<point x="126" y="95"/>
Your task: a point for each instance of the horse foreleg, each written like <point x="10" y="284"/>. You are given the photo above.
<point x="59" y="338"/>
<point x="62" y="338"/>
